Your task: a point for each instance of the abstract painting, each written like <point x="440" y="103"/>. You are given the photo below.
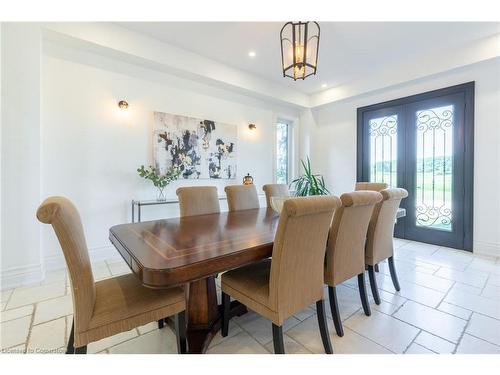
<point x="201" y="149"/>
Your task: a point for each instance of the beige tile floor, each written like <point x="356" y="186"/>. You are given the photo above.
<point x="449" y="303"/>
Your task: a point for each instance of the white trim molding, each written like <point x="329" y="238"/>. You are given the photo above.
<point x="487" y="248"/>
<point x="20" y="276"/>
<point x="35" y="273"/>
<point x="96" y="254"/>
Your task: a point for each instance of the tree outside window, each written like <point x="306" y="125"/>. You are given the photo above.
<point x="282" y="153"/>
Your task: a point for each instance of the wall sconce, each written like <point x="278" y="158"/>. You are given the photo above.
<point x="252" y="126"/>
<point x="122" y="104"/>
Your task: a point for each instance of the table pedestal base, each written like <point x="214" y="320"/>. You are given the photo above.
<point x="204" y="315"/>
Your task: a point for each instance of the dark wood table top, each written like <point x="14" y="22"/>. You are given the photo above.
<point x="174" y="251"/>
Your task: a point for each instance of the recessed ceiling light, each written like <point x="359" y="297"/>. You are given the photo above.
<point x="251" y="53"/>
<point x="324" y="86"/>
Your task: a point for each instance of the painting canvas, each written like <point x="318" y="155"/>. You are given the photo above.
<point x="201" y="149"/>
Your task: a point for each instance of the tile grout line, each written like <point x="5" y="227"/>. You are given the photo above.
<point x="18" y="317"/>
<point x="28" y="338"/>
<point x="486" y="283"/>
<point x="349" y="316"/>
<point x="399" y="308"/>
<point x="123" y="342"/>
<point x="423" y="330"/>
<point x="248" y="333"/>
<point x="66" y="338"/>
<point x="8" y="299"/>
<point x="446" y="295"/>
<point x="422" y="345"/>
<point x="461" y="335"/>
<point x="36" y="302"/>
<point x="479" y="338"/>
<point x="227" y="338"/>
<point x="412" y="341"/>
<point x="284" y="333"/>
<point x="433" y="334"/>
<point x="369" y="339"/>
<point x="300" y="344"/>
<point x="50" y="320"/>
<point x="365" y="337"/>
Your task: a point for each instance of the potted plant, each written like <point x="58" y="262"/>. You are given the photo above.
<point x="160" y="181"/>
<point x="309" y="183"/>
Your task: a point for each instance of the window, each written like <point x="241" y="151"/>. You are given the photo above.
<point x="282" y="152"/>
<point x="383" y="132"/>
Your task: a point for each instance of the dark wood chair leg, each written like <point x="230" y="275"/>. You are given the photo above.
<point x="363" y="295"/>
<point x="226" y="306"/>
<point x="323" y="326"/>
<point x="180" y="332"/>
<point x="161" y="323"/>
<point x="394" y="275"/>
<point x="373" y="285"/>
<point x="279" y="346"/>
<point x="71" y="349"/>
<point x="81" y="350"/>
<point x="334" y="306"/>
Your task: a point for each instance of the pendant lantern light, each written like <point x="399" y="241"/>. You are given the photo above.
<point x="299" y="49"/>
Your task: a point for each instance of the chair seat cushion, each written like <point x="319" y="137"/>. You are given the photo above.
<point x="251" y="280"/>
<point x="123" y="303"/>
<point x="250" y="285"/>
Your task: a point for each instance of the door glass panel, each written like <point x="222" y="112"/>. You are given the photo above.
<point x="383" y="149"/>
<point x="433" y="192"/>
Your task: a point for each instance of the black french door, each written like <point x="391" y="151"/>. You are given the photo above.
<point x="424" y="143"/>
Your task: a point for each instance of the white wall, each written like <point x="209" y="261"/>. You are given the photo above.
<point x="20" y="145"/>
<point x="334" y="142"/>
<point x="91" y="149"/>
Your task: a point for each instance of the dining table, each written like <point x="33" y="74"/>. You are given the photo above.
<point x="192" y="251"/>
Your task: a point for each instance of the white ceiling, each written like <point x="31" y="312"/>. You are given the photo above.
<point x="348" y="50"/>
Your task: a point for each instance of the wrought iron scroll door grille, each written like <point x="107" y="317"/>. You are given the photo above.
<point x="424" y="143"/>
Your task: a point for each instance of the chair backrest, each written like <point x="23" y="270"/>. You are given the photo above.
<point x="345" y="254"/>
<point x="275" y="190"/>
<point x="374" y="186"/>
<point x="65" y="220"/>
<point x="296" y="278"/>
<point x="379" y="244"/>
<point x="198" y="200"/>
<point x="241" y="197"/>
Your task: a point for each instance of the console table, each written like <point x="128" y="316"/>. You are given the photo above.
<point x="140" y="203"/>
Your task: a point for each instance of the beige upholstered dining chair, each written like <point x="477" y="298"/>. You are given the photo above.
<point x="279" y="287"/>
<point x="108" y="307"/>
<point x="379" y="242"/>
<point x="275" y="190"/>
<point x="241" y="197"/>
<point x="345" y="254"/>
<point x="198" y="200"/>
<point x="374" y="186"/>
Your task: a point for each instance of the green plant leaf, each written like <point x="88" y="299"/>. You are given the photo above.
<point x="309" y="183"/>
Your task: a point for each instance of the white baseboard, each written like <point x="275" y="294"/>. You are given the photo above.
<point x="96" y="254"/>
<point x="33" y="274"/>
<point x="487" y="248"/>
<point x="20" y="276"/>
